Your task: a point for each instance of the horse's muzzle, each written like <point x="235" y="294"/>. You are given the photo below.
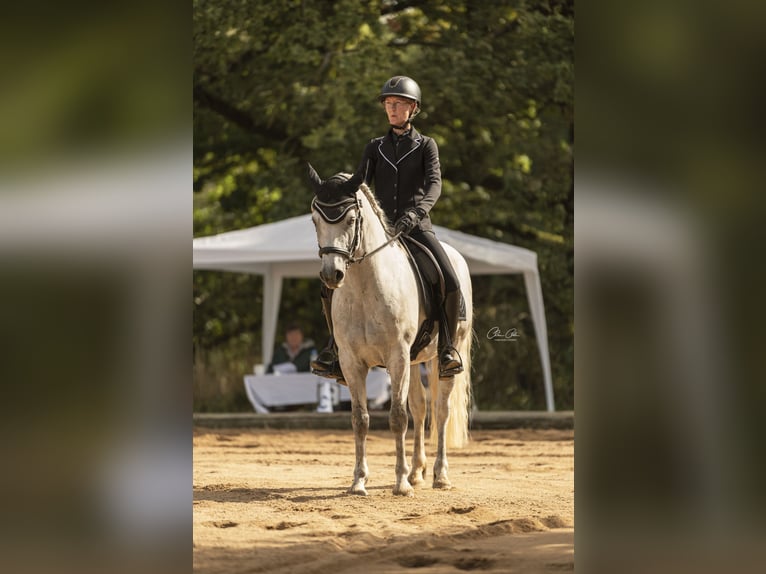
<point x="332" y="278"/>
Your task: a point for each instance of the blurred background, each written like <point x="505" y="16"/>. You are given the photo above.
<point x="669" y="203"/>
<point x="278" y="84"/>
<point x="95" y="175"/>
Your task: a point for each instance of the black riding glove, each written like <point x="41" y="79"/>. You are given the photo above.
<point x="407" y="222"/>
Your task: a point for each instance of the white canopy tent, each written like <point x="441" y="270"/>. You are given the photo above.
<point x="288" y="248"/>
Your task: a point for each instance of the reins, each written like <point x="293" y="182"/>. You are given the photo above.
<point x="374" y="251"/>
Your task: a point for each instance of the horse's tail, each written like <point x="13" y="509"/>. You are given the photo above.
<point x="460" y="397"/>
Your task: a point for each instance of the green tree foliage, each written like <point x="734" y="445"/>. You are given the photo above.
<point x="280" y="83"/>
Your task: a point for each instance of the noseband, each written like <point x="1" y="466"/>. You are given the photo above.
<point x="333" y="213"/>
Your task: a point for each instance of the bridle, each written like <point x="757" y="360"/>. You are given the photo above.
<point x="333" y="213"/>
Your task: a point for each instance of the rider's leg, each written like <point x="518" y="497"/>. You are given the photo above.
<point x="326" y="364"/>
<point x="450" y="362"/>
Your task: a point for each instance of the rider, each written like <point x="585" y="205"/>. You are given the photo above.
<point x="404" y="167"/>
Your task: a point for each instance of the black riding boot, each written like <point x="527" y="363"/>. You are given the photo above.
<point x="326" y="364"/>
<point x="450" y="363"/>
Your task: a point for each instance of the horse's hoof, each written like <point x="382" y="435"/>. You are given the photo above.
<point x="358" y="489"/>
<point x="404" y="491"/>
<point x="443" y="484"/>
<point x="416" y="479"/>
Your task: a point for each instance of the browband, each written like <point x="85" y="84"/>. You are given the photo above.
<point x="334" y="212"/>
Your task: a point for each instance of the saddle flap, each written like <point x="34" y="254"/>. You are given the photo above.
<point x="428" y="273"/>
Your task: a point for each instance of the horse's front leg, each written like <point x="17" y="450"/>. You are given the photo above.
<point x="356" y="377"/>
<point x="399" y="369"/>
<point x="442" y="414"/>
<point x="417" y="402"/>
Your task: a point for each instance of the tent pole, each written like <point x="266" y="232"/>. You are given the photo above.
<point x="535" y="299"/>
<point x="272" y="294"/>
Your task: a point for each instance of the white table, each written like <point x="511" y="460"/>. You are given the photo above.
<point x="268" y="391"/>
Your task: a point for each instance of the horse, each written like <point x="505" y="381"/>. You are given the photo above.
<point x="376" y="313"/>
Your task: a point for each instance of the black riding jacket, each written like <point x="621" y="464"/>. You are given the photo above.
<point x="405" y="174"/>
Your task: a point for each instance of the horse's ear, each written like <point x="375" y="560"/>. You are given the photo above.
<point x="350" y="186"/>
<point x="316" y="181"/>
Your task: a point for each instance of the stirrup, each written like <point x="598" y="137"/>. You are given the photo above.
<point x="452" y="367"/>
<point x="327" y="365"/>
<point x="327" y="370"/>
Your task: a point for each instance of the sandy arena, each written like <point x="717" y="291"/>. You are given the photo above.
<point x="275" y="501"/>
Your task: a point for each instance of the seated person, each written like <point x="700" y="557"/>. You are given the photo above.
<point x="295" y="354"/>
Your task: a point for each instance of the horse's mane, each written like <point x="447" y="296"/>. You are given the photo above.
<point x="377" y="210"/>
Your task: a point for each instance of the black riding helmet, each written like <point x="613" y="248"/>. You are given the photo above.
<point x="401" y="86"/>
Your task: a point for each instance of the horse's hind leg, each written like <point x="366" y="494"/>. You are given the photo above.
<point x="399" y="369"/>
<point x="356" y="377"/>
<point x="442" y="414"/>
<point x="417" y="402"/>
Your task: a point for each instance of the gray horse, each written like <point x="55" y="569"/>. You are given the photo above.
<point x="376" y="314"/>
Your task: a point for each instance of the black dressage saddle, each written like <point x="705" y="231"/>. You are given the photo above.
<point x="431" y="285"/>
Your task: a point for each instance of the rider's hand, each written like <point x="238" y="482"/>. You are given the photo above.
<point x="407" y="222"/>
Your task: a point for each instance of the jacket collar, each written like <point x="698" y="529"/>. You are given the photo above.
<point x="407" y="145"/>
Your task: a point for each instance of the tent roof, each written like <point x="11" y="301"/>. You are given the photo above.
<point x="289" y="247"/>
